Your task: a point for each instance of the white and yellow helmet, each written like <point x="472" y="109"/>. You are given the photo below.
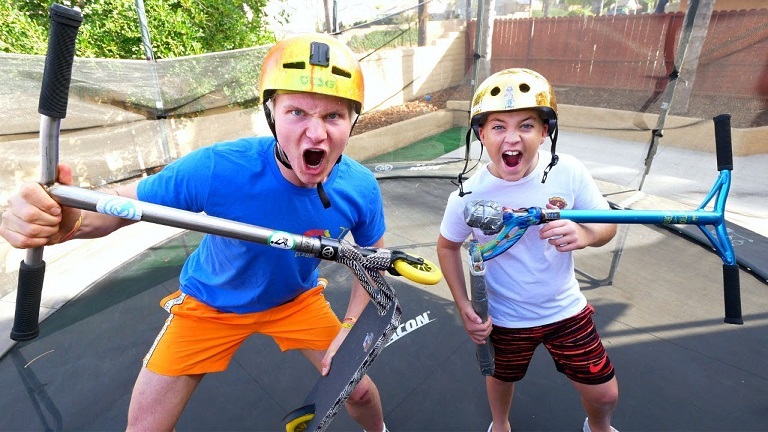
<point x="513" y="90"/>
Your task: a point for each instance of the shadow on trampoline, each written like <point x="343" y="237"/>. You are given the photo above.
<point x="679" y="366"/>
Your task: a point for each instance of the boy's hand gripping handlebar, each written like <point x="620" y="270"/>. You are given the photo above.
<point x="510" y="224"/>
<point x="484" y="352"/>
<point x="54" y="96"/>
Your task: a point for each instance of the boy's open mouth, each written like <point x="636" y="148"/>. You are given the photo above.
<point x="314" y="158"/>
<point x="512" y="158"/>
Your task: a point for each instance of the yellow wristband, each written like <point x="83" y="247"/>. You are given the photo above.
<point x="74" y="230"/>
<point x="347" y="325"/>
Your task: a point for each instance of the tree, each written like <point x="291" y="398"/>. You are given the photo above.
<point x="483" y="41"/>
<point x="423" y="20"/>
<point x="596" y="6"/>
<point x="327" y="8"/>
<point x="20" y="33"/>
<point x="110" y="28"/>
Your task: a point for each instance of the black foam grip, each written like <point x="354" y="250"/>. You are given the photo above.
<point x="723" y="143"/>
<point x="732" y="294"/>
<point x="57" y="75"/>
<point x="28" y="296"/>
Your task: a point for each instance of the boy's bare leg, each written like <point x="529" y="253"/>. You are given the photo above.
<point x="364" y="404"/>
<point x="158" y="400"/>
<point x="599" y="402"/>
<point x="500" y="398"/>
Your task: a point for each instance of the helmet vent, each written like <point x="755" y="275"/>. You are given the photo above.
<point x="341" y="72"/>
<point x="495" y="91"/>
<point x="295" y="65"/>
<point x="525" y="88"/>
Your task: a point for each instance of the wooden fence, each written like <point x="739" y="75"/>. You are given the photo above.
<point x="634" y="52"/>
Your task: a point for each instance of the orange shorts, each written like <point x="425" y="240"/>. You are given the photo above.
<point x="197" y="338"/>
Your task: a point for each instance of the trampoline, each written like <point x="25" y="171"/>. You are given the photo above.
<point x="679" y="366"/>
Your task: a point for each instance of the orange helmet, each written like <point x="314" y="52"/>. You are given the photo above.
<point x="312" y="63"/>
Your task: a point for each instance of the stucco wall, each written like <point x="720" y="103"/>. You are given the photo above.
<point x="413" y="72"/>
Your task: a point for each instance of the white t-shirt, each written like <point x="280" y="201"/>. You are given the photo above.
<point x="530" y="284"/>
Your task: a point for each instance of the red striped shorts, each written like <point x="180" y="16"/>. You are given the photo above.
<point x="573" y="343"/>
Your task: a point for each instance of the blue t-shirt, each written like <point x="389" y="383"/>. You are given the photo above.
<point x="240" y="181"/>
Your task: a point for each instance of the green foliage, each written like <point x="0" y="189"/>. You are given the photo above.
<point x="179" y="29"/>
<point x="553" y="12"/>
<point x="384" y="38"/>
<point x="188" y="27"/>
<point x="111" y="28"/>
<point x="20" y="33"/>
<point x="579" y="13"/>
<point x="397" y="19"/>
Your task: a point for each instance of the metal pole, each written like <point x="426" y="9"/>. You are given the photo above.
<point x="150" y="56"/>
<point x="476" y="51"/>
<point x="682" y="51"/>
<point x="335" y="16"/>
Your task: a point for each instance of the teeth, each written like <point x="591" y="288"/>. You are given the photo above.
<point x="512" y="152"/>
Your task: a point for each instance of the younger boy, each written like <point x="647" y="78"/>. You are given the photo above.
<point x="533" y="295"/>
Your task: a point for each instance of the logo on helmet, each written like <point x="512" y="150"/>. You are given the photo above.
<point x="509" y="97"/>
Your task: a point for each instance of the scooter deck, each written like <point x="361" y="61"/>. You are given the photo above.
<point x="362" y="345"/>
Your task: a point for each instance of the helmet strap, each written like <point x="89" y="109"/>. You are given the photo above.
<point x="281" y="157"/>
<point x="555" y="158"/>
<point x="460" y="179"/>
<point x="323" y="196"/>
